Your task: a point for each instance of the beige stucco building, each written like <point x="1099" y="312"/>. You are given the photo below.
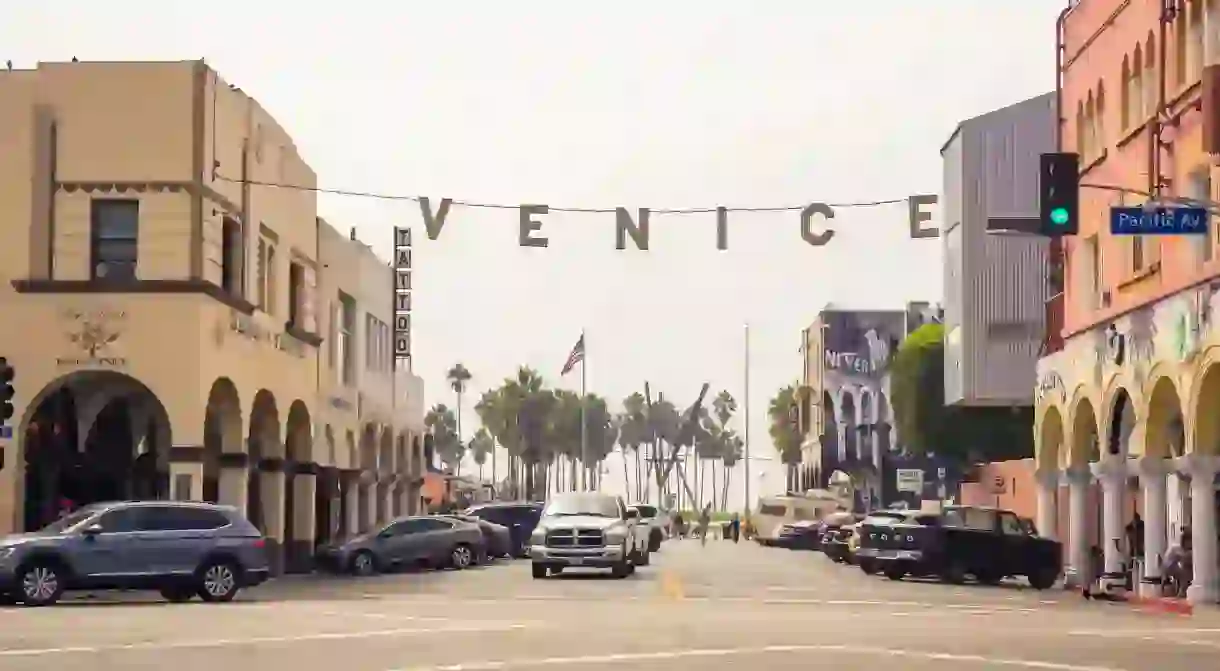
<point x="166" y="319"/>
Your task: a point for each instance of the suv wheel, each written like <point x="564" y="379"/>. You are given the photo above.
<point x="41" y="584"/>
<point x="1044" y="579"/>
<point x="643" y="558"/>
<point x="460" y="557"/>
<point x="538" y="571"/>
<point x="364" y="563"/>
<point x="622" y="569"/>
<point x="218" y="582"/>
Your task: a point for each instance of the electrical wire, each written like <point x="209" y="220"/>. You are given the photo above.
<point x="583" y="210"/>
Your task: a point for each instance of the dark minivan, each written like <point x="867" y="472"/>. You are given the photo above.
<point x="519" y="518"/>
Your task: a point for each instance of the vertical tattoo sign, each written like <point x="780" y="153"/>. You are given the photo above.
<point x="402" y="294"/>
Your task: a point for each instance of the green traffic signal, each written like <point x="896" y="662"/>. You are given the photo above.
<point x="1059" y="216"/>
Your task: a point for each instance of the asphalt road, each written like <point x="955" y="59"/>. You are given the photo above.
<point x="706" y="608"/>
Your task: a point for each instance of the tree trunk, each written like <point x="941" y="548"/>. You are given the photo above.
<point x="626" y="477"/>
<point x="724" y="496"/>
<point x="715" y="503"/>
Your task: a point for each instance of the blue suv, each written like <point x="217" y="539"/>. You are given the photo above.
<point x="180" y="548"/>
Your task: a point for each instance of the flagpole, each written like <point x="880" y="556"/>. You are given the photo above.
<point x="746" y="408"/>
<point x="584" y="426"/>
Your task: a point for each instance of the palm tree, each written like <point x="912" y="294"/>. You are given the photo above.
<point x="634" y="432"/>
<point x="723" y="407"/>
<point x="442" y="424"/>
<point x="733" y="448"/>
<point x="458" y="376"/>
<point x="482" y="445"/>
<point x="533" y="403"/>
<point x="785" y="434"/>
<point x="490" y="412"/>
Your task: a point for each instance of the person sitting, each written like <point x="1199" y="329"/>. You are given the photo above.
<point x="1177" y="569"/>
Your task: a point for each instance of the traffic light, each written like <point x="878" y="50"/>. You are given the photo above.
<point x="6" y="390"/>
<point x="1059" y="194"/>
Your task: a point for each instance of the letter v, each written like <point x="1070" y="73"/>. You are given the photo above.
<point x="434" y="222"/>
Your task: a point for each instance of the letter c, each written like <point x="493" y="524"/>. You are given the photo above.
<point x="807" y="234"/>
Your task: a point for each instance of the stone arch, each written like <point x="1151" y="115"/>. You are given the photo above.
<point x="847" y="409"/>
<point x="264" y="447"/>
<point x="1206" y="410"/>
<point x="222" y="431"/>
<point x="1084" y="446"/>
<point x="299" y="489"/>
<point x="385" y="450"/>
<point x="1119" y="424"/>
<point x="89" y="436"/>
<point x="1050" y="450"/>
<point x="1163" y="425"/>
<point x="368" y="448"/>
<point x="298" y="446"/>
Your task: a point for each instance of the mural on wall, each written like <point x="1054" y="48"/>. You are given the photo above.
<point x="860" y="344"/>
<point x="1192" y="321"/>
<point x="1140" y="342"/>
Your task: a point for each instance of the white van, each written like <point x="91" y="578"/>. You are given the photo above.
<point x="774" y="512"/>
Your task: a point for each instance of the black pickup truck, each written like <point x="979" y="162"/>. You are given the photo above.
<point x="986" y="543"/>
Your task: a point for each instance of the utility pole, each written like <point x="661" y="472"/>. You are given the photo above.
<point x="746" y="408"/>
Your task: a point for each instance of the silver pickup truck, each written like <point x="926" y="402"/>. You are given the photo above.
<point x="588" y="530"/>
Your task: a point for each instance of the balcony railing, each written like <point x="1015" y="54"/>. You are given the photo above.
<point x="1052" y="340"/>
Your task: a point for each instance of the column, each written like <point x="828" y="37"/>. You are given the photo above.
<point x="1153" y="483"/>
<point x="234" y="482"/>
<point x="842" y="429"/>
<point x="304" y="523"/>
<point x="1048" y="502"/>
<point x="351" y="504"/>
<point x="1112" y="473"/>
<point x="272" y="495"/>
<point x="1202" y="471"/>
<point x="1079" y="479"/>
<point x="387" y="497"/>
<point x="368" y="502"/>
<point x="1177" y="488"/>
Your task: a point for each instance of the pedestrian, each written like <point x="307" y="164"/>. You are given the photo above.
<point x="1177" y="570"/>
<point x="705" y="522"/>
<point x="735" y="527"/>
<point x="679" y="525"/>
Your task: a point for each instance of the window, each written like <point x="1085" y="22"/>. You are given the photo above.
<point x="1010" y="525"/>
<point x="1179" y="50"/>
<point x="1194" y="49"/>
<point x="347" y="335"/>
<point x="1199" y="187"/>
<point x="431" y="524"/>
<point x="1137" y="253"/>
<point x="232" y="252"/>
<point x="1089" y="281"/>
<point x="261" y="272"/>
<point x="332" y="333"/>
<point x="174" y="518"/>
<point x="272" y="292"/>
<point x="377" y="345"/>
<point x="1124" y="102"/>
<point x="1152" y="79"/>
<point x="977" y="519"/>
<point x="121" y="520"/>
<point x="296" y="294"/>
<point x="772" y="510"/>
<point x="114" y="239"/>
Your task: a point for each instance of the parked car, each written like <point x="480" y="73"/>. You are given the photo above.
<point x="833" y="535"/>
<point x="803" y="535"/>
<point x="417" y="541"/>
<point x="182" y="549"/>
<point x="498" y="538"/>
<point x="654" y="522"/>
<point x="988" y="544"/>
<point x="588" y="530"/>
<point x="519" y="518"/>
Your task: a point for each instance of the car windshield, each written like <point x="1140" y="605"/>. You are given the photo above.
<point x="69" y="521"/>
<point x="646" y="511"/>
<point x="597" y="505"/>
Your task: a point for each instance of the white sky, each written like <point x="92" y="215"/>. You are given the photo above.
<point x="681" y="103"/>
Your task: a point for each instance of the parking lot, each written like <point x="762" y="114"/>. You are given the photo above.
<point x="696" y="607"/>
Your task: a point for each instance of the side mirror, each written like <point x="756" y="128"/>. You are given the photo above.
<point x="633" y="514"/>
<point x="384" y="533"/>
<point x="92" y="530"/>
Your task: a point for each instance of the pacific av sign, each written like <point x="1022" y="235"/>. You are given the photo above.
<point x="815" y="220"/>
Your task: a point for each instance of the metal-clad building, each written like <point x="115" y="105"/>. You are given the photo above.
<point x="995" y="265"/>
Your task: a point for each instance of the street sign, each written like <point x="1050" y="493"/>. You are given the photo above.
<point x="1158" y="221"/>
<point x="909" y="480"/>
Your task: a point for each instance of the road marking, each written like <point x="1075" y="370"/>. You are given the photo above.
<point x="575" y="599"/>
<point x="258" y="640"/>
<point x="664" y="655"/>
<point x="1165" y="636"/>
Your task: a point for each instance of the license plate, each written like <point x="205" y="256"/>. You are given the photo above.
<point x="903" y="554"/>
<point x="576" y="561"/>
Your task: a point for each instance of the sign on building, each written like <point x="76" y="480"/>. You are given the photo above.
<point x="909" y="480"/>
<point x="402" y="293"/>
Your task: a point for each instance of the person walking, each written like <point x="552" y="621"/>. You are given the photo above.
<point x="735" y="527"/>
<point x="705" y="523"/>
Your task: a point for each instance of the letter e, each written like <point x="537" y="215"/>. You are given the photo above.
<point x="528" y="225"/>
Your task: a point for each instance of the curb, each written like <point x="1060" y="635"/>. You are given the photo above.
<point x="1166" y="605"/>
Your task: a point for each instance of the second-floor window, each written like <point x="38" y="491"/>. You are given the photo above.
<point x="266" y="275"/>
<point x="377" y="344"/>
<point x="1199" y="187"/>
<point x="114" y="239"/>
<point x="232" y="252"/>
<point x="296" y="294"/>
<point x="347" y="340"/>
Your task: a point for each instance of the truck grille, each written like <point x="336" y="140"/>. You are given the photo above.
<point x="575" y="538"/>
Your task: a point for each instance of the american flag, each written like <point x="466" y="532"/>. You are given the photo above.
<point x="577" y="356"/>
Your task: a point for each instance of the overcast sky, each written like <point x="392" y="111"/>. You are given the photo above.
<point x="681" y="103"/>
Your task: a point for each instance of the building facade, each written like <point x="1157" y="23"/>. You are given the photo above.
<point x="1128" y="395"/>
<point x="178" y="346"/>
<point x="995" y="266"/>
